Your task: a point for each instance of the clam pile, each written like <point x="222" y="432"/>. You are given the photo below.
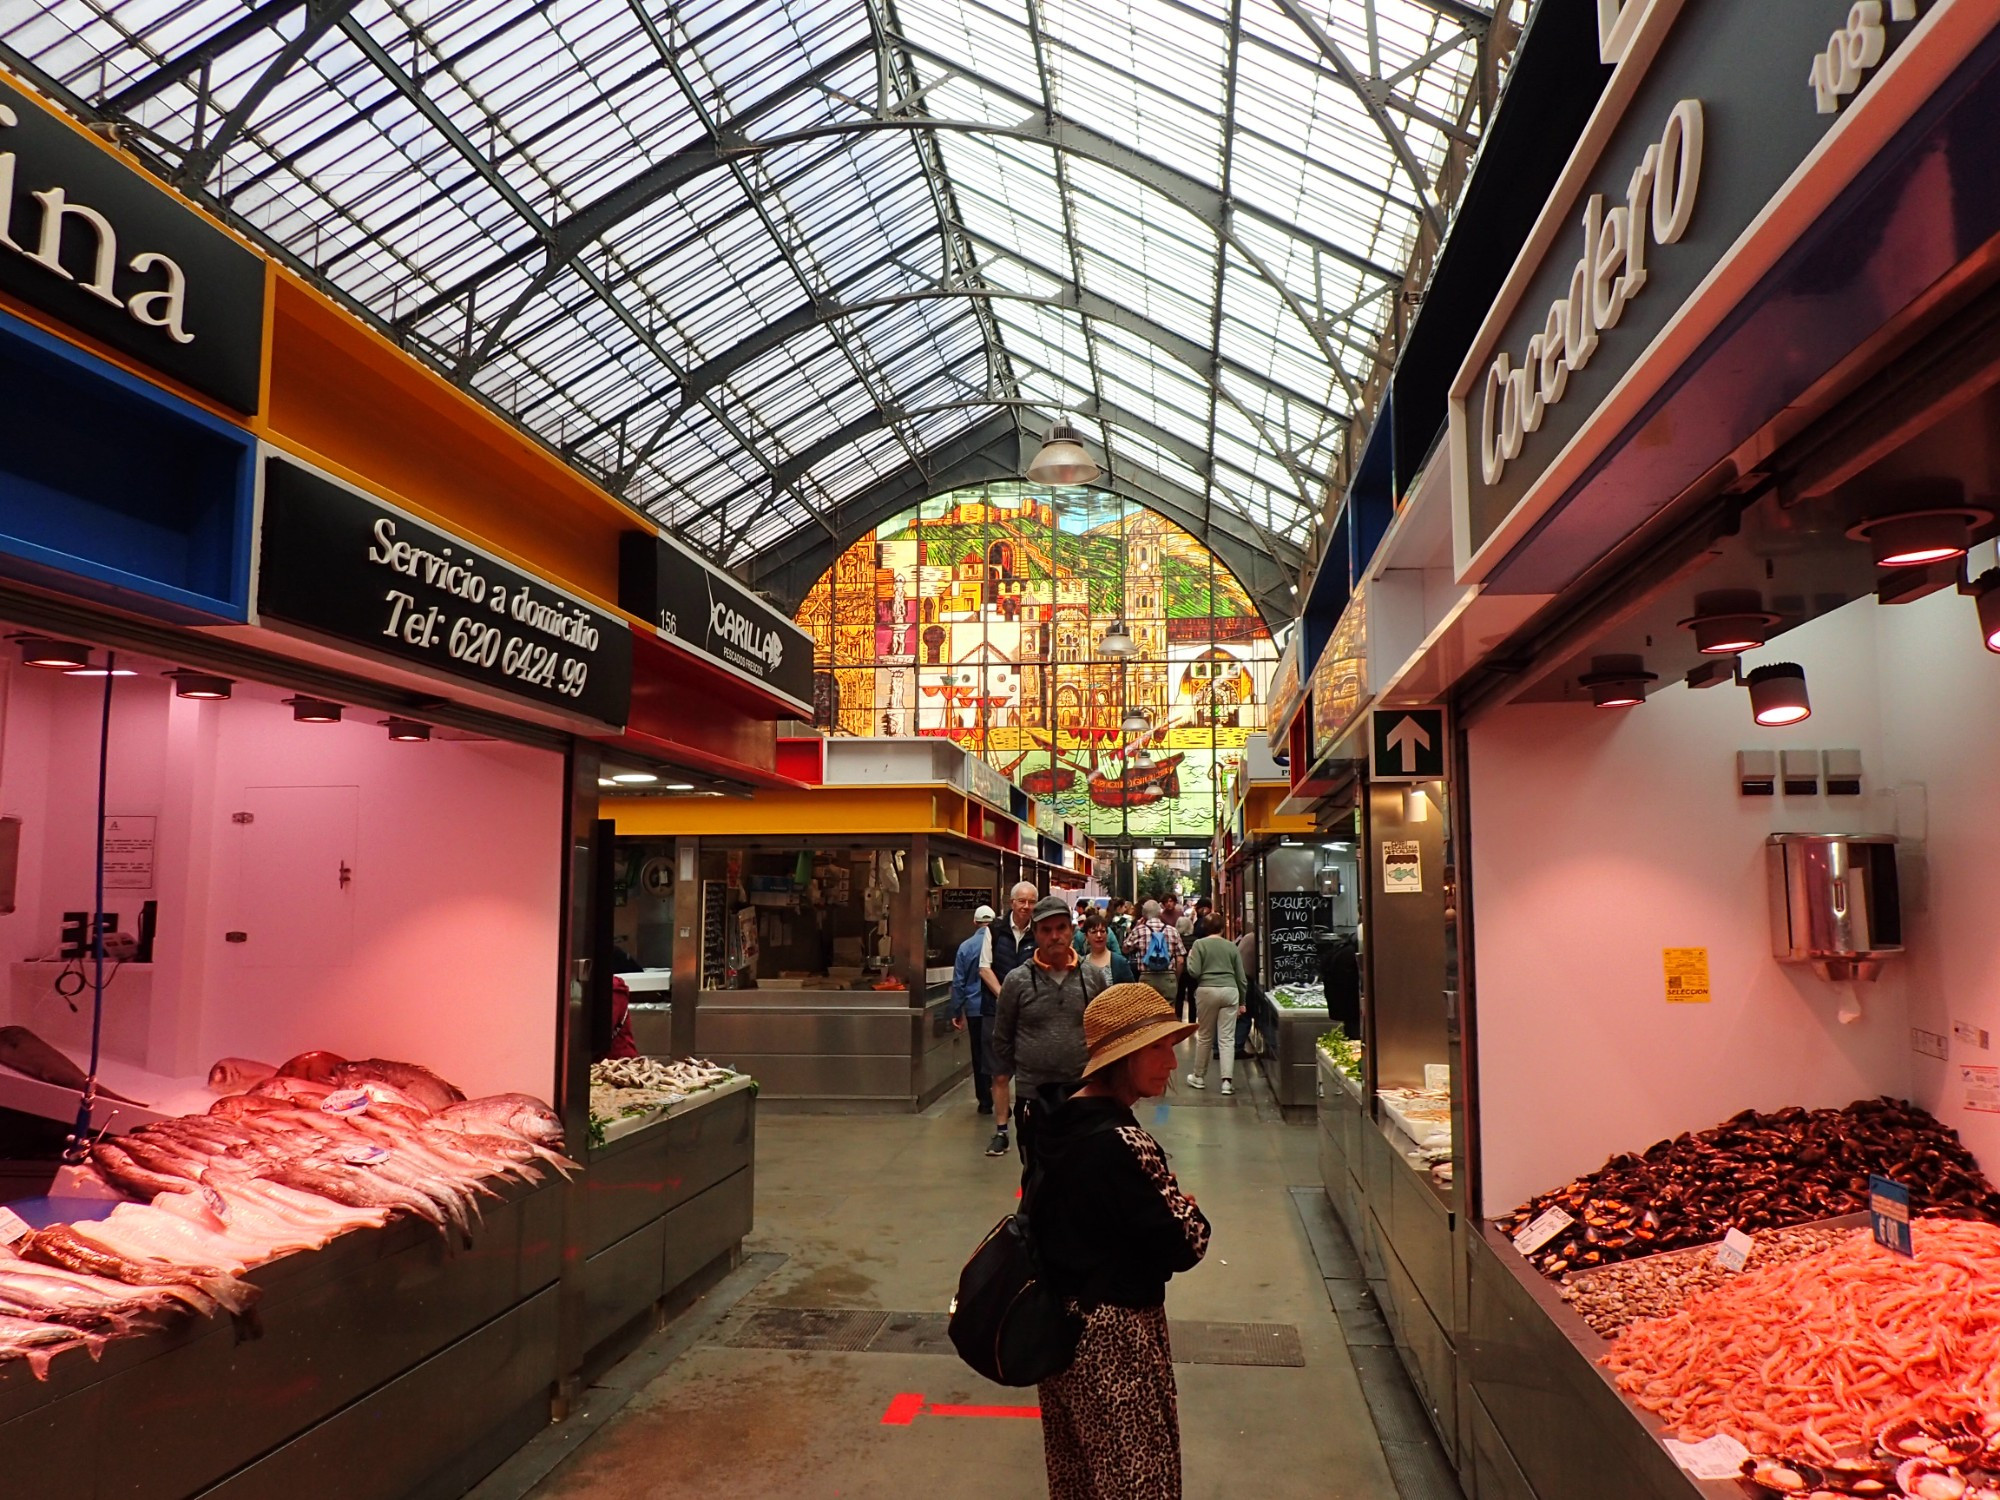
<point x="1757" y="1171"/>
<point x="1910" y="1460"/>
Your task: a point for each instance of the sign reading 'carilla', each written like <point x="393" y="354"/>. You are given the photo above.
<point x="347" y="565"/>
<point x="96" y="245"/>
<point x="1659" y="202"/>
<point x="712" y="614"/>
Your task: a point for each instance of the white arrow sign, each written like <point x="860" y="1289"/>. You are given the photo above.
<point x="1408" y="737"/>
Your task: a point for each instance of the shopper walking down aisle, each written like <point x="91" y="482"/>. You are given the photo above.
<point x="1215" y="969"/>
<point x="1014" y="939"/>
<point x="1038" y="1050"/>
<point x="1098" y="951"/>
<point x="1112" y="1225"/>
<point x="974" y="988"/>
<point x="1155" y="949"/>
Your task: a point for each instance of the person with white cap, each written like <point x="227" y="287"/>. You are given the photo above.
<point x="1112" y="1225"/>
<point x="972" y="980"/>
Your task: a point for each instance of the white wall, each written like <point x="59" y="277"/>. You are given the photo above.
<point x="455" y="900"/>
<point x="1942" y="695"/>
<point x="1600" y="837"/>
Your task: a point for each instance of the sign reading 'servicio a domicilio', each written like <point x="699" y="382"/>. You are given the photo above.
<point x="345" y="564"/>
<point x="93" y="242"/>
<point x="710" y="613"/>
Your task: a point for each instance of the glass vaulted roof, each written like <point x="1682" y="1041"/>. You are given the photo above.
<point x="750" y="264"/>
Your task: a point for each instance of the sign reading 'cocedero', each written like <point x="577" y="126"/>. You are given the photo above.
<point x="94" y="243"/>
<point x="712" y="614"/>
<point x="342" y="563"/>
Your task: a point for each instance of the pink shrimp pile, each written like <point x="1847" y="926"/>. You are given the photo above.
<point x="1824" y="1353"/>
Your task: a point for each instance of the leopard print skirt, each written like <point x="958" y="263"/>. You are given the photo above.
<point x="1110" y="1422"/>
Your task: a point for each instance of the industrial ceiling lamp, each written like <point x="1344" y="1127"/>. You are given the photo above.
<point x="407" y="731"/>
<point x="1617" y="681"/>
<point x="58" y="656"/>
<point x="1916" y="537"/>
<point x="1062" y="458"/>
<point x="1135" y="723"/>
<point x="314" y="710"/>
<point x="1727" y="622"/>
<point x="1985" y="594"/>
<point x="1778" y="694"/>
<point x="206" y="686"/>
<point x="1117" y="641"/>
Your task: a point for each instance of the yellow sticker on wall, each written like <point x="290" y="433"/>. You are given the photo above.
<point x="1687" y="975"/>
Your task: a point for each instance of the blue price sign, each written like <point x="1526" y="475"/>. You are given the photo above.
<point x="1889" y="1215"/>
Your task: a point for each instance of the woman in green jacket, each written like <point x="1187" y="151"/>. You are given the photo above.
<point x="1215" y="969"/>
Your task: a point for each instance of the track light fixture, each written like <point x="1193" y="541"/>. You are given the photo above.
<point x="58" y="656"/>
<point x="1913" y="538"/>
<point x="1778" y="694"/>
<point x="1062" y="458"/>
<point x="206" y="686"/>
<point x="1617" y="681"/>
<point x="1727" y="622"/>
<point x="1984" y="591"/>
<point x="314" y="710"/>
<point x="408" y="731"/>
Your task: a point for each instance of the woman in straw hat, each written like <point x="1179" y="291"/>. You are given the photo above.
<point x="1112" y="1225"/>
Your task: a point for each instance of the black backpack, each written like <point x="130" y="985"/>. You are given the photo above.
<point x="1007" y="1322"/>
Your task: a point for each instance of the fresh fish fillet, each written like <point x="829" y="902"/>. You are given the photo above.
<point x="141" y="1232"/>
<point x="235" y="1236"/>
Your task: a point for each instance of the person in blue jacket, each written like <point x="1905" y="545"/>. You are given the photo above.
<point x="972" y="981"/>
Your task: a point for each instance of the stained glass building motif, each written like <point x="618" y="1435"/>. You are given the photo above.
<point x="980" y="616"/>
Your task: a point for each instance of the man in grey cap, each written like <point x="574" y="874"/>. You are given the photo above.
<point x="1038" y="1047"/>
<point x="973" y="982"/>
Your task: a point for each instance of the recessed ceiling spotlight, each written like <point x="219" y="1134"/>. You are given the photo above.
<point x="61" y="656"/>
<point x="189" y="683"/>
<point x="314" y="710"/>
<point x="1728" y="621"/>
<point x="1617" y="681"/>
<point x="1778" y="694"/>
<point x="1912" y="538"/>
<point x="409" y="731"/>
<point x="634" y="778"/>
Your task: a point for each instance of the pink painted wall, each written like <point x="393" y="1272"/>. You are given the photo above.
<point x="1600" y="838"/>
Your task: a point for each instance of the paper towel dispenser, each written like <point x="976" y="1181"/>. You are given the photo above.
<point x="1834" y="902"/>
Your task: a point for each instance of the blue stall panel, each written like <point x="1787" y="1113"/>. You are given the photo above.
<point x="115" y="491"/>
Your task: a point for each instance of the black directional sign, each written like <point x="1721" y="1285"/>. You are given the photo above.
<point x="1406" y="744"/>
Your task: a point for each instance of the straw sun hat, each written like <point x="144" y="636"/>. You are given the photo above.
<point x="1125" y="1018"/>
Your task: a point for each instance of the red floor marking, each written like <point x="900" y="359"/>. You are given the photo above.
<point x="984" y="1411"/>
<point x="908" y="1406"/>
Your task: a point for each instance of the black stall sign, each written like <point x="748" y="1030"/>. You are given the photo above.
<point x="1291" y="921"/>
<point x="713" y="615"/>
<point x="342" y="563"/>
<point x="96" y="244"/>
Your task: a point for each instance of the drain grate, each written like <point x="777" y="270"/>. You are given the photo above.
<point x="1237" y="1344"/>
<point x="822" y="1328"/>
<point x="913" y="1333"/>
<point x="856" y="1330"/>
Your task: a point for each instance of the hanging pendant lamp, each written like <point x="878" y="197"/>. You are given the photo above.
<point x="1062" y="458"/>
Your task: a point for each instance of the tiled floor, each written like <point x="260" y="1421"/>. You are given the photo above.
<point x="879" y="1212"/>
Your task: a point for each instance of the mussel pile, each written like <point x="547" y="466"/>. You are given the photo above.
<point x="1757" y="1171"/>
<point x="1919" y="1460"/>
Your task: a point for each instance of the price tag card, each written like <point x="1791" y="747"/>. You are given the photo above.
<point x="1889" y="1215"/>
<point x="1544" y="1229"/>
<point x="1437" y="1078"/>
<point x="12" y="1226"/>
<point x="1735" y="1250"/>
<point x="1719" y="1457"/>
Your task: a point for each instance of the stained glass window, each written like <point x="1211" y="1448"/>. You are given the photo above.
<point x="980" y="616"/>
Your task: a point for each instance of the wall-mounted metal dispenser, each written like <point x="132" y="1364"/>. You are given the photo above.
<point x="1834" y="902"/>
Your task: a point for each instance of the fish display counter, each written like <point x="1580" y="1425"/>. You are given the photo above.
<point x="1292" y="1020"/>
<point x="1715" y="1313"/>
<point x="669" y="1194"/>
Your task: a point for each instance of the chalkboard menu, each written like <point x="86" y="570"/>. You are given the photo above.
<point x="713" y="915"/>
<point x="1291" y="918"/>
<point x="964" y="897"/>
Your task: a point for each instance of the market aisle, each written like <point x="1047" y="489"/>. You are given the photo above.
<point x="879" y="1213"/>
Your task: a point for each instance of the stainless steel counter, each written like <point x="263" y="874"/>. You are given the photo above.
<point x="1290" y="1057"/>
<point x="840" y="1050"/>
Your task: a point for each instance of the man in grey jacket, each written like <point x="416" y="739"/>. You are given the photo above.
<point x="1038" y="1029"/>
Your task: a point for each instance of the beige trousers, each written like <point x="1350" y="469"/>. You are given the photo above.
<point x="1214" y="1010"/>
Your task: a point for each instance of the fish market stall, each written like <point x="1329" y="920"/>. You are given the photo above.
<point x="1292" y="1018"/>
<point x="815" y="929"/>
